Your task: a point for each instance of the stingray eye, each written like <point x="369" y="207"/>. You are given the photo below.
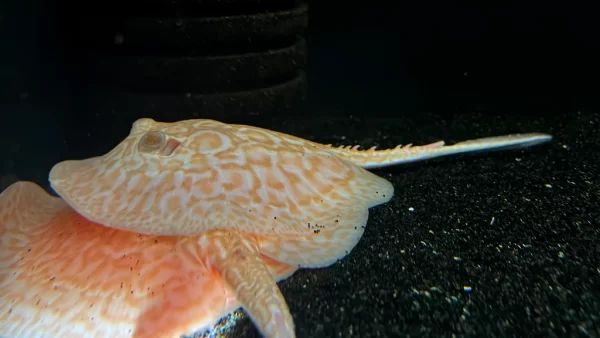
<point x="152" y="140"/>
<point x="158" y="143"/>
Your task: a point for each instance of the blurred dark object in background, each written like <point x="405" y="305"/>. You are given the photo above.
<point x="173" y="60"/>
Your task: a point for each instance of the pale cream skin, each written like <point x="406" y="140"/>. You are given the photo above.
<point x="245" y="207"/>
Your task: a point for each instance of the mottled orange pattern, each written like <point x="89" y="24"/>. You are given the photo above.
<point x="64" y="276"/>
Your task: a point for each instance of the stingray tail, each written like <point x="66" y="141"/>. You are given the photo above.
<point x="403" y="154"/>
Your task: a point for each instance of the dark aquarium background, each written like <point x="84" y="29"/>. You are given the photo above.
<point x="487" y="245"/>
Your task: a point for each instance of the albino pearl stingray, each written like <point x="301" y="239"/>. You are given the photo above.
<point x="210" y="213"/>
